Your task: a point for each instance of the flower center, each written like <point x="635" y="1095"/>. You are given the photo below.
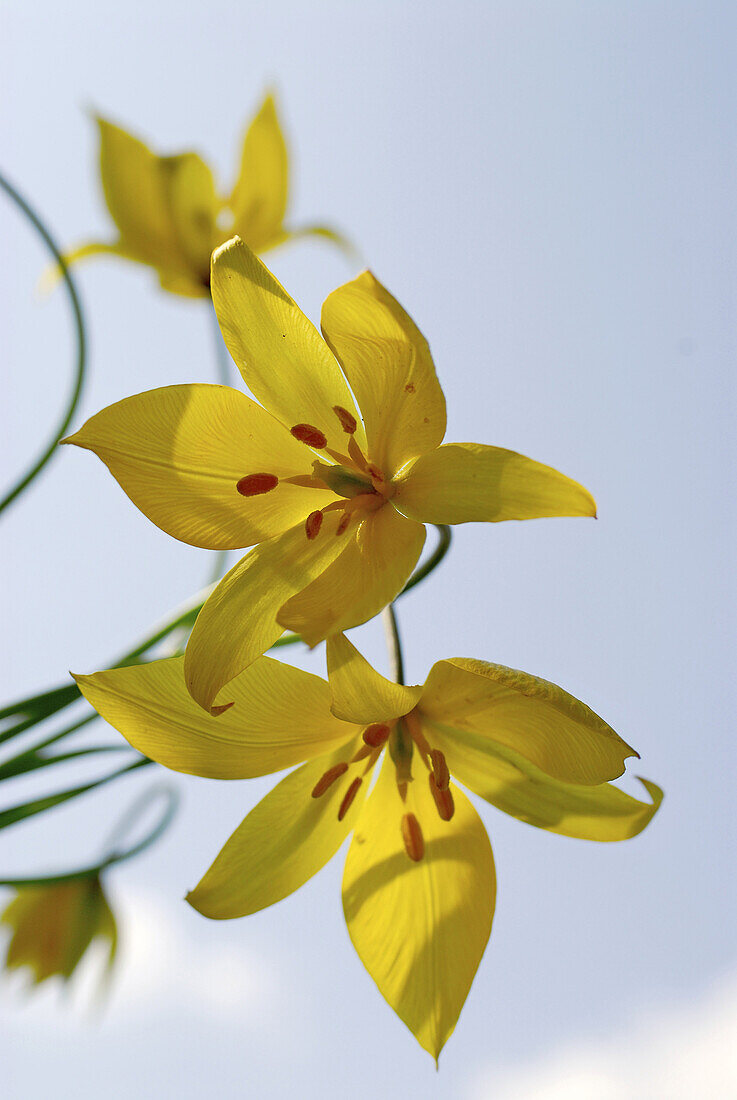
<point x="402" y="736"/>
<point x="358" y="483"/>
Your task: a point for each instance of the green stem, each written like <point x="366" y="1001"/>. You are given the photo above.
<point x="71" y="406"/>
<point x="444" y="537"/>
<point x="393" y="642"/>
<point x="111" y="856"/>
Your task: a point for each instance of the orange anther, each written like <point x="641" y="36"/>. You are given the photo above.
<point x="440" y="769"/>
<point x="347" y="419"/>
<point x="313" y="523"/>
<point x="414" y="843"/>
<point x="328" y="779"/>
<point x="313" y="437"/>
<point x="350" y="794"/>
<point x="376" y="734"/>
<point x="253" y="485"/>
<point x="443" y="800"/>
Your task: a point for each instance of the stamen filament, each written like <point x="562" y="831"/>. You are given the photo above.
<point x="306" y="481"/>
<point x="357" y="456"/>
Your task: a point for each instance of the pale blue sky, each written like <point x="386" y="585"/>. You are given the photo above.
<point x="548" y="188"/>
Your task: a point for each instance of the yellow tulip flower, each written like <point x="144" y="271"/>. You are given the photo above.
<point x="419" y="884"/>
<point x="337" y="502"/>
<point x="170" y="216"/>
<point x="53" y="925"/>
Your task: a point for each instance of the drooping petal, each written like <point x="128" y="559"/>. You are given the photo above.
<point x="370" y="572"/>
<point x="531" y="716"/>
<point x="469" y="482"/>
<point x="283" y="359"/>
<point x="238" y="622"/>
<point x="133" y="184"/>
<point x="420" y="928"/>
<point x="280" y="718"/>
<point x="517" y="787"/>
<point x="281" y="844"/>
<point x="387" y="361"/>
<point x="359" y="693"/>
<point x="179" y="452"/>
<point x="259" y="198"/>
<point x="53" y="925"/>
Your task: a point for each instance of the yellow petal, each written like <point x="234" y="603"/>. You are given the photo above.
<point x="238" y="622"/>
<point x="527" y="714"/>
<point x="359" y="693"/>
<point x="517" y="787"/>
<point x="179" y="452"/>
<point x="259" y="198"/>
<point x="388" y="364"/>
<point x="284" y="362"/>
<point x="280" y="718"/>
<point x="193" y="205"/>
<point x="420" y="928"/>
<point x="282" y="843"/>
<point x="466" y="482"/>
<point x="367" y="576"/>
<point x="133" y="184"/>
<point x="165" y="208"/>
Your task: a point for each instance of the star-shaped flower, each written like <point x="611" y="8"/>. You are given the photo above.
<point x="336" y="499"/>
<point x="419" y="884"/>
<point x="170" y="216"/>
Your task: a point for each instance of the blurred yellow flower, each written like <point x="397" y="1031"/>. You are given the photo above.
<point x="170" y="216"/>
<point x="53" y="925"/>
<point x="337" y="498"/>
<point x="419" y="885"/>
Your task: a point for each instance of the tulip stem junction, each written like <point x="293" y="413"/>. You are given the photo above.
<point x="113" y="854"/>
<point x="25" y="480"/>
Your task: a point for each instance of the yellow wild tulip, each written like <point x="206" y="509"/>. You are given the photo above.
<point x="336" y="499"/>
<point x="170" y="216"/>
<point x="53" y="926"/>
<point x="419" y="885"/>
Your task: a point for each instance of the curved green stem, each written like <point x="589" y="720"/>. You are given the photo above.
<point x="444" y="537"/>
<point x="393" y="642"/>
<point x="111" y="856"/>
<point x="171" y="794"/>
<point x="73" y="401"/>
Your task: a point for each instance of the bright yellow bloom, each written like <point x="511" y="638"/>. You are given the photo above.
<point x="52" y="927"/>
<point x="336" y="499"/>
<point x="419" y="884"/>
<point x="170" y="216"/>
